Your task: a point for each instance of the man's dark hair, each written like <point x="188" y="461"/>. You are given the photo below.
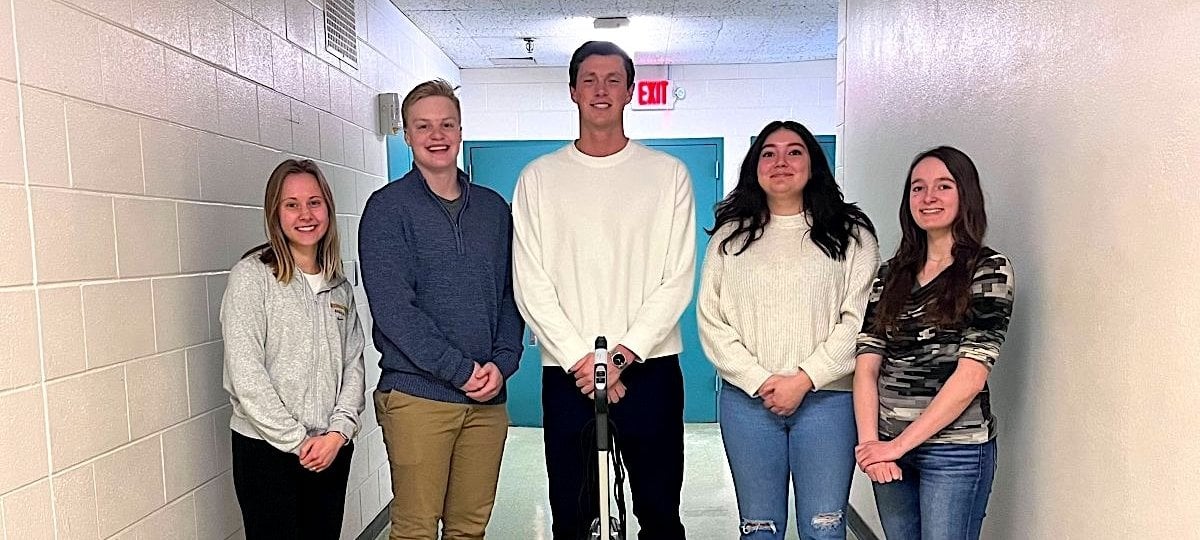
<point x="599" y="48"/>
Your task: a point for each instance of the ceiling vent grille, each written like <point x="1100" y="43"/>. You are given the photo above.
<point x="514" y="61"/>
<point x="341" y="39"/>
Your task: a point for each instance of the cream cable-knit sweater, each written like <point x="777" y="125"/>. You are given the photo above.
<point x="783" y="305"/>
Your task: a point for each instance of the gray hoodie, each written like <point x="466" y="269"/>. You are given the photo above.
<point x="293" y="358"/>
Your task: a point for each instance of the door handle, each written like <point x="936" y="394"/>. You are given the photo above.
<point x="532" y="340"/>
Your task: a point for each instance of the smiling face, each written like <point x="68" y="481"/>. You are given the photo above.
<point x="784" y="168"/>
<point x="933" y="196"/>
<point x="433" y="132"/>
<point x="601" y="91"/>
<point x="303" y="212"/>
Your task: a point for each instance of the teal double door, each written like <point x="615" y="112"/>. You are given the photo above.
<point x="498" y="164"/>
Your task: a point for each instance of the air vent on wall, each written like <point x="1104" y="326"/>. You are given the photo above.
<point x="341" y="39"/>
<point x="515" y="61"/>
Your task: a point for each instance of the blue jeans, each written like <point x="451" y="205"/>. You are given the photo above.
<point x="943" y="495"/>
<point x="814" y="446"/>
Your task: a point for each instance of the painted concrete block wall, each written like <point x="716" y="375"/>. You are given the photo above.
<point x="135" y="142"/>
<point x="730" y="101"/>
<point x="1082" y="119"/>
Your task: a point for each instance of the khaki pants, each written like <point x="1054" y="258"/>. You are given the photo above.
<point x="445" y="460"/>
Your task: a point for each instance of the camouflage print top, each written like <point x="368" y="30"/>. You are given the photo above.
<point x="919" y="356"/>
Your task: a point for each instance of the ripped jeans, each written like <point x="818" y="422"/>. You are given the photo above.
<point x="813" y="449"/>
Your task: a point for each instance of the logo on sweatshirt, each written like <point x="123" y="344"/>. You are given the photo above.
<point x="340" y="310"/>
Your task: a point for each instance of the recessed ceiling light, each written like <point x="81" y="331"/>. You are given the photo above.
<point x="610" y="22"/>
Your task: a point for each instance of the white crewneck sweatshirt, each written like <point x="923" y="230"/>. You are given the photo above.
<point x="604" y="246"/>
<point x="783" y="305"/>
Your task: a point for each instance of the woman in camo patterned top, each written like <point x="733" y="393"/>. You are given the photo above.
<point x="937" y="316"/>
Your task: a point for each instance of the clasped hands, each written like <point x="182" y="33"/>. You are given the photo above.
<point x="878" y="460"/>
<point x="782" y="394"/>
<point x="585" y="376"/>
<point x="485" y="382"/>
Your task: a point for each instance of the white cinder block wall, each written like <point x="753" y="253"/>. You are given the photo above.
<point x="1082" y="118"/>
<point x="135" y="142"/>
<point x="730" y="101"/>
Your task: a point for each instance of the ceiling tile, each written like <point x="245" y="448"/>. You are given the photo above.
<point x="533" y="6"/>
<point x="591" y="8"/>
<point x="430" y="5"/>
<point x="437" y="23"/>
<point x="630" y="8"/>
<point x="665" y="31"/>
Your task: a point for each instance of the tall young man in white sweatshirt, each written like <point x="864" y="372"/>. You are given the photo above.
<point x="604" y="245"/>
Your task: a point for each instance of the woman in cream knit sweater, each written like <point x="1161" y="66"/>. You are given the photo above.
<point x="786" y="280"/>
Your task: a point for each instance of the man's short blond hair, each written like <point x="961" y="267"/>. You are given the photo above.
<point x="436" y="87"/>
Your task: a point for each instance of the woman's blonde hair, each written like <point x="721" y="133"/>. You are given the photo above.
<point x="436" y="87"/>
<point x="276" y="253"/>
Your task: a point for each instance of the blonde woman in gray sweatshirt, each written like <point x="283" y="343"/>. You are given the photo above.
<point x="293" y="364"/>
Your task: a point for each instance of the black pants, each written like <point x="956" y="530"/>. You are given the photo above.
<point x="649" y="433"/>
<point x="282" y="500"/>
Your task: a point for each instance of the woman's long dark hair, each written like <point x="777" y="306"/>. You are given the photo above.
<point x="833" y="219"/>
<point x="954" y="287"/>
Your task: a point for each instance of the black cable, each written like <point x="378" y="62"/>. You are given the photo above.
<point x="619" y="476"/>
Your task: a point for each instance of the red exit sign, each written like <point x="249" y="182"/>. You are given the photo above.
<point x="653" y="94"/>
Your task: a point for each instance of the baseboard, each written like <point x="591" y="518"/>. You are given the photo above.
<point x="858" y="526"/>
<point x="378" y="525"/>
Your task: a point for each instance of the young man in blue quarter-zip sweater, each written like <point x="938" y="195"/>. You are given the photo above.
<point x="435" y="254"/>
